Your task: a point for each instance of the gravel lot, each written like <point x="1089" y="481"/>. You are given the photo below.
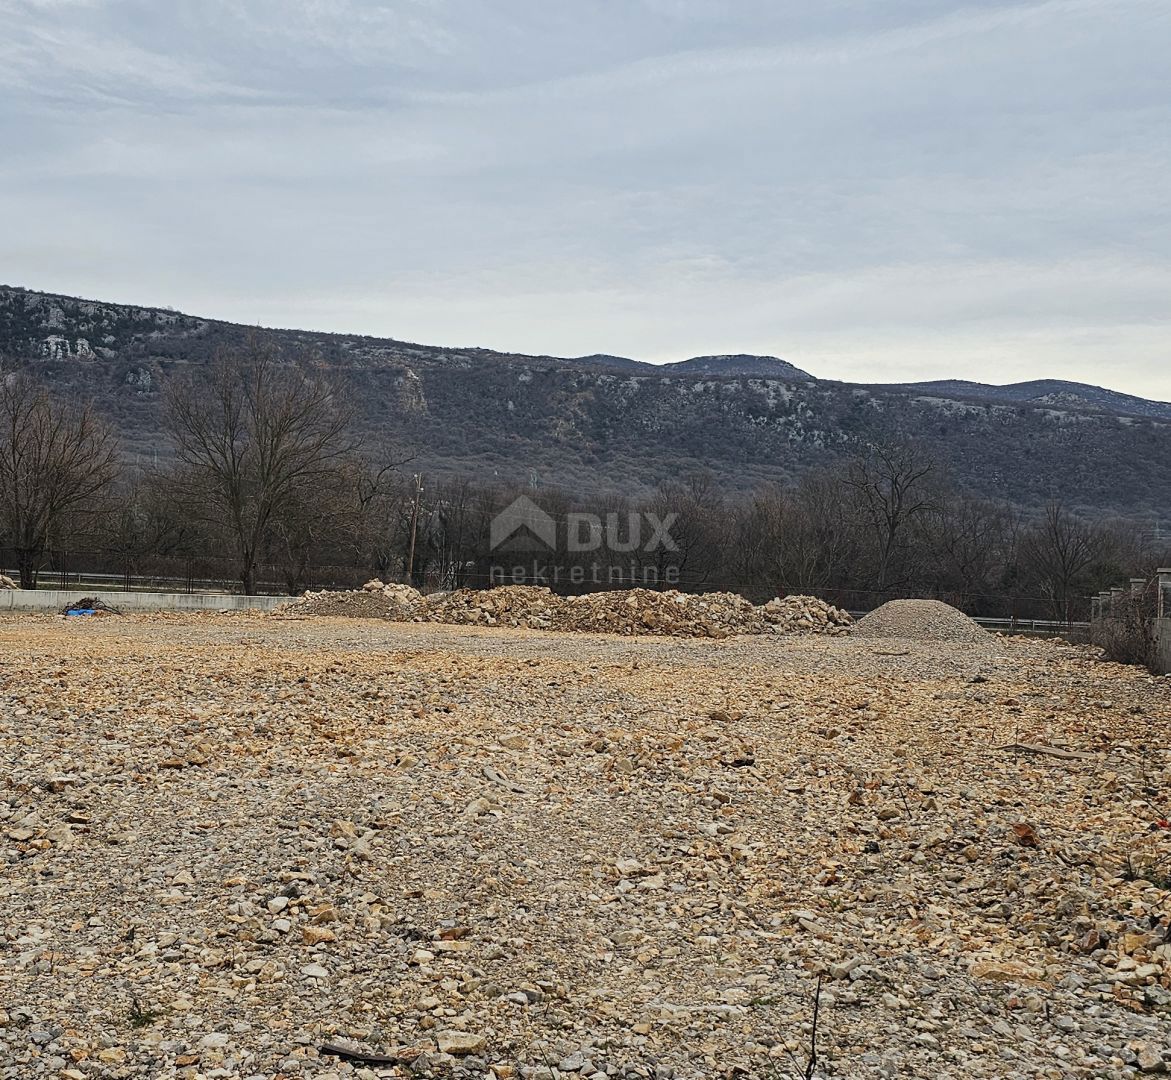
<point x="229" y="840"/>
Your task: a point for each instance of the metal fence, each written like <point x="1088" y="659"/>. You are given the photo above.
<point x="1133" y="621"/>
<point x="105" y="569"/>
<point x="66" y="569"/>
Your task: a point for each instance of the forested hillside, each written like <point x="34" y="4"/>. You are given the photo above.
<point x="604" y="423"/>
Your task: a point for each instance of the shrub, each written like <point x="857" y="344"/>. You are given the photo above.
<point x="1125" y="631"/>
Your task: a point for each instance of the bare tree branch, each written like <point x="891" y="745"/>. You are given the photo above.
<point x="255" y="437"/>
<point x="56" y="459"/>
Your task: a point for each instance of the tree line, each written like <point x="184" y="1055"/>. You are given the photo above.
<point x="267" y="474"/>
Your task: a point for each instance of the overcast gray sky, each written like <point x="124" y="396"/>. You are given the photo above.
<point x="875" y="190"/>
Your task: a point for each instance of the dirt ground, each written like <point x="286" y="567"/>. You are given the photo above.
<point x="227" y="841"/>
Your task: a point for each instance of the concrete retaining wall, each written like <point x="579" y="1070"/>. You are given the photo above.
<point x="1163" y="645"/>
<point x="56" y="599"/>
<point x="1163" y="621"/>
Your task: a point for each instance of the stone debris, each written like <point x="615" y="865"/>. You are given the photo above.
<point x="7" y="582"/>
<point x="806" y="614"/>
<point x="531" y="606"/>
<point x="233" y="845"/>
<point x="922" y="620"/>
<point x="628" y="611"/>
<point x="673" y="613"/>
<point x="375" y="600"/>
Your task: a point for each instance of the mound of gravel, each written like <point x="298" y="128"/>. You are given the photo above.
<point x="921" y="620"/>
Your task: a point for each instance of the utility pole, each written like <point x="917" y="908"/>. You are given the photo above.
<point x="414" y="529"/>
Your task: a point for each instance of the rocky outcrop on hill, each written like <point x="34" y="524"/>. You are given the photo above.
<point x="609" y="424"/>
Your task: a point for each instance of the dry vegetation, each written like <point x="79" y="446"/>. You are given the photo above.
<point x="229" y="841"/>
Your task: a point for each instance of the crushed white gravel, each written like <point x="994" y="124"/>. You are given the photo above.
<point x="229" y="841"/>
<point x="922" y="620"/>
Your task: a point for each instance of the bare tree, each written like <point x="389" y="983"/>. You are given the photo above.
<point x="313" y="525"/>
<point x="889" y="483"/>
<point x="1059" y="551"/>
<point x="142" y="530"/>
<point x="756" y="527"/>
<point x="254" y="436"/>
<point x="967" y="549"/>
<point x="452" y="532"/>
<point x="695" y="516"/>
<point x="56" y="460"/>
<point x="378" y="510"/>
<point x="818" y="536"/>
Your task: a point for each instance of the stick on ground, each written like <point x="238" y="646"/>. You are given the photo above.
<point x="1047" y="751"/>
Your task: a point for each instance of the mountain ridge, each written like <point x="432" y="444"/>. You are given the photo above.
<point x="606" y="422"/>
<point x="730" y="364"/>
<point x="1049" y="392"/>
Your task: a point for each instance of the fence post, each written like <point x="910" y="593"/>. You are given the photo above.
<point x="1164" y="573"/>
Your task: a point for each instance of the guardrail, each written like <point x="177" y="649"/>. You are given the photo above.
<point x="1032" y="626"/>
<point x="1018" y="626"/>
<point x="152" y="583"/>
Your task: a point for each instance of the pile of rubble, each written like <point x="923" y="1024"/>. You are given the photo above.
<point x="375" y="600"/>
<point x="645" y="611"/>
<point x="531" y="606"/>
<point x="626" y="611"/>
<point x="7" y="583"/>
<point x="806" y="614"/>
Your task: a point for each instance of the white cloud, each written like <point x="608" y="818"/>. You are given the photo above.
<point x="857" y="187"/>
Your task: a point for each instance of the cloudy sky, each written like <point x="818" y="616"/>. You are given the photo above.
<point x="875" y="190"/>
